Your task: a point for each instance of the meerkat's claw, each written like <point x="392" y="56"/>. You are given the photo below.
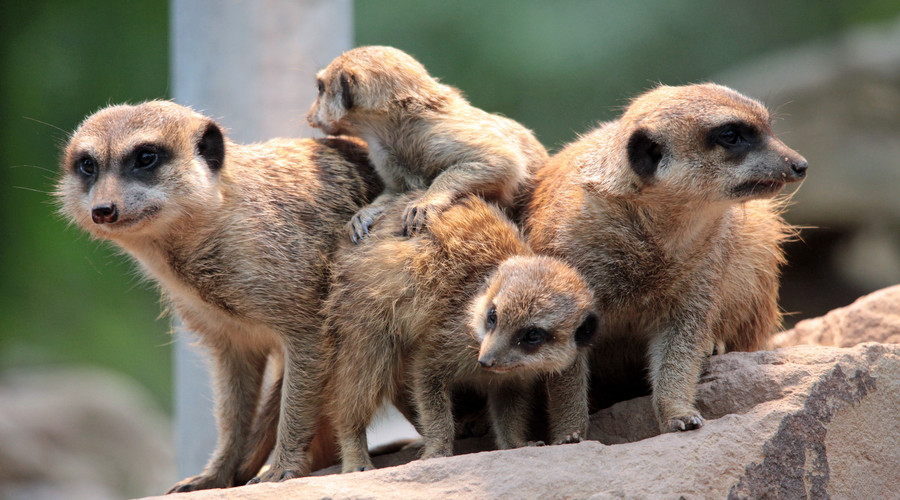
<point x="685" y="423"/>
<point x="575" y="437"/>
<point x="361" y="222"/>
<point x="275" y="475"/>
<point x="195" y="483"/>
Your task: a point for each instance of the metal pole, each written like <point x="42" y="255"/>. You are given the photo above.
<point x="251" y="66"/>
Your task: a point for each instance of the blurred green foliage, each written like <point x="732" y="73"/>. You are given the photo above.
<point x="558" y="67"/>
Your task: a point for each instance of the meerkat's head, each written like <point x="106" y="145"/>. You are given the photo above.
<point x="704" y="143"/>
<point x="533" y="315"/>
<point x="130" y="170"/>
<point x="365" y="83"/>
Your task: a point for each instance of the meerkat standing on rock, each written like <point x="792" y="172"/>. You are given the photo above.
<point x="667" y="214"/>
<point x="238" y="237"/>
<point x="464" y="304"/>
<point x="421" y="135"/>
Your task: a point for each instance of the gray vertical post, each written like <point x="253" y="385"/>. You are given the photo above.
<point x="251" y="66"/>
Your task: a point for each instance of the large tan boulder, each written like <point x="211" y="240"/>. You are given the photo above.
<point x="80" y="433"/>
<point x="873" y="318"/>
<point x="799" y="422"/>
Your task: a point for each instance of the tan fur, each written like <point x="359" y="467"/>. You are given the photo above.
<point x="674" y="232"/>
<point x="238" y="238"/>
<point x="409" y="314"/>
<point x="421" y="135"/>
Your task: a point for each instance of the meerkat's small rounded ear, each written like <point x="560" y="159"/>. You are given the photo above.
<point x="585" y="332"/>
<point x="346" y="90"/>
<point x="211" y="146"/>
<point x="644" y="154"/>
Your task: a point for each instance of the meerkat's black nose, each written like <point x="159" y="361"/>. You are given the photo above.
<point x="486" y="363"/>
<point x="798" y="167"/>
<point x="105" y="214"/>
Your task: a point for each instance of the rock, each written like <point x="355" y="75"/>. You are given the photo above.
<point x="799" y="422"/>
<point x="873" y="318"/>
<point x="81" y="434"/>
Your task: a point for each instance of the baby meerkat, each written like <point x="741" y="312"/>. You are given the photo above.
<point x="667" y="213"/>
<point x="422" y="135"/>
<point x="238" y="238"/>
<point x="465" y="304"/>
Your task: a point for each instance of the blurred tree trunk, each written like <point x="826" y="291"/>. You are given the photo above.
<point x="251" y="66"/>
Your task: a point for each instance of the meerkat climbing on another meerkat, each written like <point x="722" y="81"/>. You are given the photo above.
<point x="668" y="214"/>
<point x="422" y="135"/>
<point x="238" y="238"/>
<point x="465" y="304"/>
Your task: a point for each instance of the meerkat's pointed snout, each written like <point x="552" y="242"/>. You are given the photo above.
<point x="105" y="213"/>
<point x="798" y="166"/>
<point x="486" y="362"/>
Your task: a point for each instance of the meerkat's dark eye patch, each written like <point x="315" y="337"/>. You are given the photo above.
<point x="86" y="166"/>
<point x="320" y="85"/>
<point x="735" y="137"/>
<point x="490" y="322"/>
<point x="644" y="154"/>
<point x="211" y="146"/>
<point x="142" y="162"/>
<point x="585" y="332"/>
<point x="146" y="157"/>
<point x="346" y="92"/>
<point x="531" y="337"/>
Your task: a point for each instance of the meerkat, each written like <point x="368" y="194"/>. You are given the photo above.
<point x="238" y="238"/>
<point x="422" y="135"/>
<point x="668" y="213"/>
<point x="465" y="304"/>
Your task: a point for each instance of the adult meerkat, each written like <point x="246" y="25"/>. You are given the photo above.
<point x="422" y="135"/>
<point x="465" y="304"/>
<point x="667" y="213"/>
<point x="238" y="238"/>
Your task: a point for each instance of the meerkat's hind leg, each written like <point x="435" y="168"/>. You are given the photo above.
<point x="301" y="408"/>
<point x="359" y="384"/>
<point x="435" y="409"/>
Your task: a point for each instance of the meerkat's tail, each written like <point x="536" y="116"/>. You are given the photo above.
<point x="262" y="435"/>
<point x="323" y="450"/>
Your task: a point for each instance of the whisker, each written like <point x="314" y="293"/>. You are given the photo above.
<point x="47" y="124"/>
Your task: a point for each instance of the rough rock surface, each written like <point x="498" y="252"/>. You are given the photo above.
<point x="799" y="422"/>
<point x="873" y="318"/>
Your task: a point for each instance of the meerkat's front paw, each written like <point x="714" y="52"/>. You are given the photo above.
<point x="361" y="222"/>
<point x="199" y="482"/>
<point x="572" y="438"/>
<point x="275" y="475"/>
<point x="417" y="214"/>
<point x="437" y="452"/>
<point x="684" y="423"/>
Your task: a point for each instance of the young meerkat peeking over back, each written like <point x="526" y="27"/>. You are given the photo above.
<point x="238" y="238"/>
<point x="667" y="213"/>
<point x="463" y="305"/>
<point x="422" y="135"/>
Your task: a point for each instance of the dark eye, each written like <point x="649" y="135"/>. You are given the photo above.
<point x="491" y="321"/>
<point x="146" y="159"/>
<point x="729" y="137"/>
<point x="534" y="336"/>
<point x="321" y="86"/>
<point x="87" y="166"/>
